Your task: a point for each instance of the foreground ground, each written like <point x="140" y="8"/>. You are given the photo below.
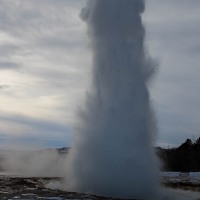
<point x="21" y="188"/>
<point x="31" y="188"/>
<point x="184" y="181"/>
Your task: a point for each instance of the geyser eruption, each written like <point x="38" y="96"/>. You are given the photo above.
<point x="112" y="154"/>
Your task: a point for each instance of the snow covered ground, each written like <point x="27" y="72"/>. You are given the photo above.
<point x="190" y="178"/>
<point x="177" y="174"/>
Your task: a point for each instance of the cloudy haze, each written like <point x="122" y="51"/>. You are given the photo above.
<point x="45" y="70"/>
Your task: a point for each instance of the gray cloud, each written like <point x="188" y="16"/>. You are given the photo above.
<point x="26" y="16"/>
<point x="39" y="131"/>
<point x="7" y="49"/>
<point x="173" y="36"/>
<point x="6" y="65"/>
<point x="37" y="123"/>
<point x="3" y="86"/>
<point x="66" y="44"/>
<point x="40" y="38"/>
<point x="193" y="50"/>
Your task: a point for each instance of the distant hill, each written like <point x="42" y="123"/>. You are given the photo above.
<point x="185" y="158"/>
<point x="63" y="150"/>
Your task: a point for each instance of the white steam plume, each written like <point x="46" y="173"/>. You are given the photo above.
<point x="113" y="152"/>
<point x="44" y="163"/>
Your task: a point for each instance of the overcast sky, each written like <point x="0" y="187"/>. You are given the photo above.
<point x="45" y="65"/>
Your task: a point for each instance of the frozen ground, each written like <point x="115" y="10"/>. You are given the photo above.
<point x="37" y="188"/>
<point x="186" y="181"/>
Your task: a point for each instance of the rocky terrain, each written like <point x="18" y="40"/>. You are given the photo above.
<point x="33" y="188"/>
